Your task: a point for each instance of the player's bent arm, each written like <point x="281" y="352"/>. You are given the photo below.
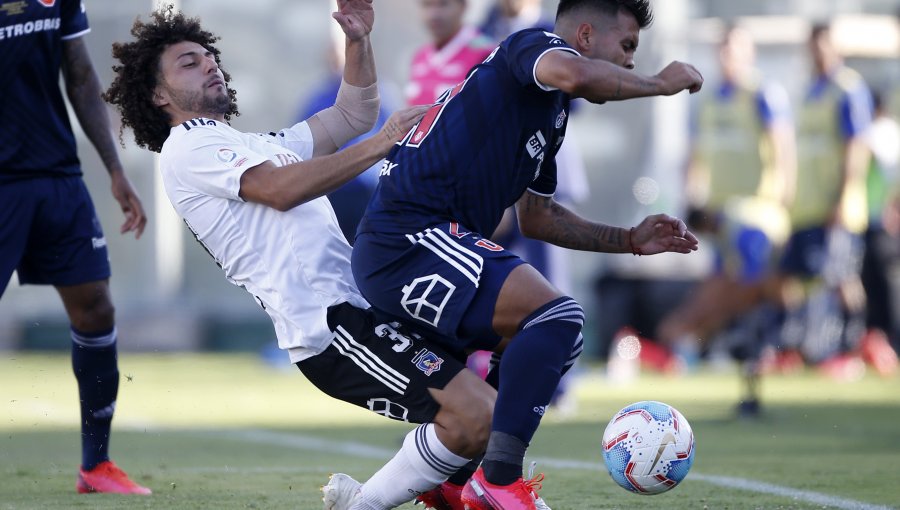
<point x="286" y="187"/>
<point x="599" y="81"/>
<point x="545" y="219"/>
<point x="83" y="90"/>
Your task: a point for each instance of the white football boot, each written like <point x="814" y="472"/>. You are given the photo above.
<point x="534" y="483"/>
<point x="340" y="492"/>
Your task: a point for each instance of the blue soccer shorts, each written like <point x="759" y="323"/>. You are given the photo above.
<point x="835" y="254"/>
<point x="50" y="233"/>
<point x="443" y="281"/>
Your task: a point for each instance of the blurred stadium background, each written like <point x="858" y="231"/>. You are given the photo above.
<point x="170" y="297"/>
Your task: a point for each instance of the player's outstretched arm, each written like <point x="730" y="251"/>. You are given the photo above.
<point x="286" y="187"/>
<point x="599" y="81"/>
<point x="83" y="90"/>
<point x="355" y="110"/>
<point x="545" y="219"/>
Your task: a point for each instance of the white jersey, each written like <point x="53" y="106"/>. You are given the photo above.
<point x="295" y="263"/>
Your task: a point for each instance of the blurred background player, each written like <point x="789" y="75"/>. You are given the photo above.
<point x="821" y="287"/>
<point x="446" y="59"/>
<point x="739" y="180"/>
<point x="881" y="262"/>
<point x="505" y="17"/>
<point x="49" y="230"/>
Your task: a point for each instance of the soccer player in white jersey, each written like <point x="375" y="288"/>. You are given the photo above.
<point x="256" y="202"/>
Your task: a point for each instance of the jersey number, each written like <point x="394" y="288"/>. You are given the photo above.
<point x="421" y="130"/>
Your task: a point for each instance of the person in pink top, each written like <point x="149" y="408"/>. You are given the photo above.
<point x="453" y="50"/>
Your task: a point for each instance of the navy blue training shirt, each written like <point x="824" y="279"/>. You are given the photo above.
<point x="35" y="135"/>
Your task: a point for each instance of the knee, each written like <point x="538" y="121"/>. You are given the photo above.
<point x="468" y="432"/>
<point x="95" y="312"/>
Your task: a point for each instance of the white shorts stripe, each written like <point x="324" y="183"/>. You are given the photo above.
<point x="569" y="311"/>
<point x="472" y="259"/>
<point x="368" y="362"/>
<point x="464" y="260"/>
<point x="437" y="251"/>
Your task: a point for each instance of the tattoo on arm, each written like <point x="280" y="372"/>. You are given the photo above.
<point x="562" y="227"/>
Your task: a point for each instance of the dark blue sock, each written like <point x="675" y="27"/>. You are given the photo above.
<point x="96" y="370"/>
<point x="529" y="374"/>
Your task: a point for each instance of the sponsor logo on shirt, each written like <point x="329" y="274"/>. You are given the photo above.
<point x="47" y="3"/>
<point x="98" y="242"/>
<point x="27" y="28"/>
<point x="12" y="8"/>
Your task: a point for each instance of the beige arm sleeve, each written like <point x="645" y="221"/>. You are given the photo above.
<point x="354" y="112"/>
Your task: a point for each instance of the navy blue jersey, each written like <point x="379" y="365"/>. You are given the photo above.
<point x="479" y="148"/>
<point x="35" y="135"/>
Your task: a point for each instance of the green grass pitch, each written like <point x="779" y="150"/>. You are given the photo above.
<point x="229" y="432"/>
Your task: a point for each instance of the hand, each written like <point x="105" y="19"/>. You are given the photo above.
<point x="662" y="233"/>
<point x="123" y="192"/>
<point x="401" y="121"/>
<point x="679" y="76"/>
<point x="356" y="18"/>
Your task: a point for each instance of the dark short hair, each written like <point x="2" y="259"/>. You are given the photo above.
<point x="137" y="75"/>
<point x="819" y="29"/>
<point x="640" y="9"/>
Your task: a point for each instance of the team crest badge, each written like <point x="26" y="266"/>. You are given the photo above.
<point x="47" y="3"/>
<point x="560" y="119"/>
<point x="427" y="361"/>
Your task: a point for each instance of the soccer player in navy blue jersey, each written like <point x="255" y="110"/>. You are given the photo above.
<point x="422" y="251"/>
<point x="49" y="231"/>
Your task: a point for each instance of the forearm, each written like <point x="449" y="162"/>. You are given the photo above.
<point x="853" y="168"/>
<point x="544" y="219"/>
<point x="284" y="188"/>
<point x="359" y="66"/>
<point x="784" y="163"/>
<point x="607" y="82"/>
<point x="83" y="90"/>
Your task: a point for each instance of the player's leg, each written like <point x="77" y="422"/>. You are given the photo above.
<point x="16" y="215"/>
<point x="68" y="251"/>
<point x="543" y="327"/>
<point x="409" y="378"/>
<point x="94" y="362"/>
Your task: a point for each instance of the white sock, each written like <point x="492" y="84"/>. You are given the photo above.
<point x="422" y="464"/>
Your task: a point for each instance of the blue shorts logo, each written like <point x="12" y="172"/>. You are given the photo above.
<point x="427" y="361"/>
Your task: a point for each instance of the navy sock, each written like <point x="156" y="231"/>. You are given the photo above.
<point x="464" y="473"/>
<point x="530" y="370"/>
<point x="96" y="370"/>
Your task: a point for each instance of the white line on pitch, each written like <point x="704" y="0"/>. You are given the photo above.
<point x="361" y="450"/>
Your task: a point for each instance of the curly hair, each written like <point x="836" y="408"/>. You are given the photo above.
<point x="131" y="92"/>
<point x="640" y="9"/>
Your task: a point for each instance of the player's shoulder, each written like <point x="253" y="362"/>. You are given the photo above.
<point x="536" y="36"/>
<point x="848" y="80"/>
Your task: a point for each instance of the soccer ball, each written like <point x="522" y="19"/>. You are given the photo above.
<point x="648" y="447"/>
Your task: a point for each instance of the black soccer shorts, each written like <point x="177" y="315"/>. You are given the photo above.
<point x="381" y="366"/>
